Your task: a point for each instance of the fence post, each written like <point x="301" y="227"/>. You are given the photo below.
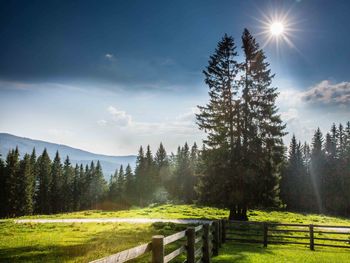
<point x="312" y="244"/>
<point x="206" y="244"/>
<point x="265" y="226"/>
<point x="158" y="249"/>
<point x="216" y="238"/>
<point x="191" y="239"/>
<point x="220" y="233"/>
<point x="223" y="231"/>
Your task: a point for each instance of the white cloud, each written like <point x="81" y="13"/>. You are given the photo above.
<point x="326" y="93"/>
<point x="121" y="118"/>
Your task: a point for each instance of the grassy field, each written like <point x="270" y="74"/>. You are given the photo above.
<point x="83" y="242"/>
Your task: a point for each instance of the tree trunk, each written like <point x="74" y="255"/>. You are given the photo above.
<point x="238" y="212"/>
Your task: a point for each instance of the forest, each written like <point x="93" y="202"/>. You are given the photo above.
<point x="315" y="178"/>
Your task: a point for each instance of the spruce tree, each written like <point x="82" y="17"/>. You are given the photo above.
<point x="25" y="187"/>
<point x="67" y="185"/>
<point x="244" y="152"/>
<point x="43" y="200"/>
<point x="57" y="196"/>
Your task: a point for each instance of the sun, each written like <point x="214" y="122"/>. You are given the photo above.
<point x="277" y="29"/>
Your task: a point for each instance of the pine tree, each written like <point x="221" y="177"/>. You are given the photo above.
<point x="130" y="187"/>
<point x="76" y="188"/>
<point x="25" y="187"/>
<point x="11" y="182"/>
<point x="245" y="151"/>
<point x="43" y="200"/>
<point x="57" y="196"/>
<point x="316" y="167"/>
<point x="3" y="210"/>
<point x="67" y="185"/>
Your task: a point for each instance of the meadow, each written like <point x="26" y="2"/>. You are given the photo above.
<point x="83" y="242"/>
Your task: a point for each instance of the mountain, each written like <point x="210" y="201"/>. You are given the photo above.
<point x="109" y="163"/>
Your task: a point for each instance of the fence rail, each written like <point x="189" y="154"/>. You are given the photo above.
<point x="279" y="233"/>
<point x="202" y="242"/>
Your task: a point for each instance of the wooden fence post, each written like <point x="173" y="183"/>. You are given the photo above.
<point x="158" y="249"/>
<point x="216" y="238"/>
<point x="223" y="231"/>
<point x="220" y="233"/>
<point x="312" y="244"/>
<point x="191" y="239"/>
<point x="206" y="244"/>
<point x="265" y="226"/>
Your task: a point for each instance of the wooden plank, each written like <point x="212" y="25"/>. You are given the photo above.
<point x="289" y="230"/>
<point x="126" y="254"/>
<point x="333" y="239"/>
<point x="332" y="232"/>
<point x="289" y="237"/>
<point x="329" y="226"/>
<point x="174" y="237"/>
<point x="329" y="245"/>
<point x="243" y="234"/>
<point x="282" y="224"/>
<point x="289" y="242"/>
<point x="198" y="228"/>
<point x="174" y="254"/>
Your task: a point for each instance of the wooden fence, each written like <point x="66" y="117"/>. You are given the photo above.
<point x="202" y="242"/>
<point x="277" y="233"/>
<point x="199" y="244"/>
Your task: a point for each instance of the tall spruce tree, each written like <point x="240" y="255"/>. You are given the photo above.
<point x="43" y="200"/>
<point x="244" y="131"/>
<point x="25" y="187"/>
<point x="57" y="196"/>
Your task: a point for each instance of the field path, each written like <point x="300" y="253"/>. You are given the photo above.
<point x="114" y="220"/>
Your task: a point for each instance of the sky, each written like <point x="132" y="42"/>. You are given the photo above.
<point x="109" y="76"/>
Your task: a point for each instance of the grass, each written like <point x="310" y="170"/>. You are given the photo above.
<point x="75" y="242"/>
<point x="198" y="212"/>
<point x="83" y="242"/>
<point x="252" y="253"/>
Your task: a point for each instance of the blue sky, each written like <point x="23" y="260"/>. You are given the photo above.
<point x="108" y="76"/>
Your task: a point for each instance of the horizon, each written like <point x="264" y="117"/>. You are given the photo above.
<point x="109" y="78"/>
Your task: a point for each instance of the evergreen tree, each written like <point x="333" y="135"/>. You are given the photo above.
<point x="43" y="200"/>
<point x="67" y="185"/>
<point x="25" y="187"/>
<point x="76" y="188"/>
<point x="57" y="196"/>
<point x="129" y="185"/>
<point x="245" y="151"/>
<point x="11" y="182"/>
<point x="3" y="207"/>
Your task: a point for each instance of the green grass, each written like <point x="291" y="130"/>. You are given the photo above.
<point x="252" y="253"/>
<point x="75" y="242"/>
<point x="83" y="242"/>
<point x="192" y="211"/>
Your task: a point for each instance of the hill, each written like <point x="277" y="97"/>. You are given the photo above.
<point x="25" y="145"/>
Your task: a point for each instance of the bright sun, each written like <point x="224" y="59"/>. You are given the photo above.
<point x="276" y="28"/>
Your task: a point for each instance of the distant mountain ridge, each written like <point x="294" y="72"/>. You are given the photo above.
<point x="25" y="145"/>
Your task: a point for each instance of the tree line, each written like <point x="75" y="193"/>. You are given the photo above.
<point x="32" y="185"/>
<point x="316" y="177"/>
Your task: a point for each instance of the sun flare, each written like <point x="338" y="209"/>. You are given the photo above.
<point x="276" y="28"/>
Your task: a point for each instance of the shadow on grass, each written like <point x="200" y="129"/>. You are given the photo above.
<point x="231" y="252"/>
